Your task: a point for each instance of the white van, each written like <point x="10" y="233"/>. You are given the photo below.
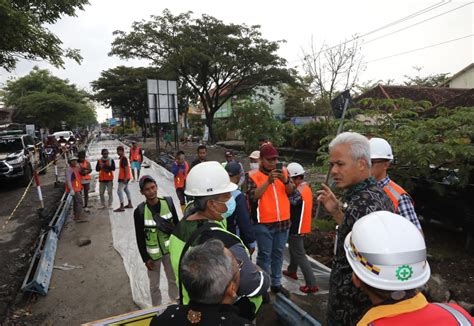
<point x="65" y="134"/>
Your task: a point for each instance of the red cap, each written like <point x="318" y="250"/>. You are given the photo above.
<point x="267" y="151"/>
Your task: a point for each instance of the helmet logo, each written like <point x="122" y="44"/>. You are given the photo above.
<point x="404" y="272"/>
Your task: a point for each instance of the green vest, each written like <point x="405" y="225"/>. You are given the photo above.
<point x="157" y="242"/>
<point x="176" y="248"/>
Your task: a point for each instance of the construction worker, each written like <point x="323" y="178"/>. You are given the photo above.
<point x="301" y="211"/>
<point x="136" y="159"/>
<point x="387" y="255"/>
<point x="180" y="169"/>
<point x="85" y="171"/>
<point x="268" y="189"/>
<point x="106" y="167"/>
<point x="239" y="222"/>
<point x="211" y="273"/>
<point x="230" y="157"/>
<point x="74" y="187"/>
<point x="201" y="156"/>
<point x="123" y="179"/>
<point x="254" y="158"/>
<point x="211" y="188"/>
<point x="154" y="220"/>
<point x="349" y="158"/>
<point x="381" y="156"/>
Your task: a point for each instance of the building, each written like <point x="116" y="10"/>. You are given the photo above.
<point x="462" y="79"/>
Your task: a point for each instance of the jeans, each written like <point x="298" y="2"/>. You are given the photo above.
<point x="271" y="245"/>
<point x="109" y="185"/>
<point x="298" y="258"/>
<point x="121" y="188"/>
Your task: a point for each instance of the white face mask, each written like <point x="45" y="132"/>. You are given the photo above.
<point x="253" y="166"/>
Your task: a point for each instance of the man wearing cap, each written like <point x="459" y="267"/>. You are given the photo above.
<point x="349" y="157"/>
<point x="301" y="211"/>
<point x="201" y="156"/>
<point x="230" y="157"/>
<point x="106" y="167"/>
<point x="387" y="255"/>
<point x="239" y="222"/>
<point x="74" y="187"/>
<point x="381" y="156"/>
<point x="268" y="190"/>
<point x="154" y="221"/>
<point x="136" y="159"/>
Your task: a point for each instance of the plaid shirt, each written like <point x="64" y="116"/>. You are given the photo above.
<point x="251" y="187"/>
<point x="405" y="205"/>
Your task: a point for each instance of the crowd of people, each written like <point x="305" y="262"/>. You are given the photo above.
<point x="232" y="215"/>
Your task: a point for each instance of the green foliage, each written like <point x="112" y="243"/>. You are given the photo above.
<point x="24" y="33"/>
<point x="426" y="81"/>
<point x="120" y="130"/>
<point x="254" y="120"/>
<point x="324" y="225"/>
<point x="220" y="129"/>
<point x="215" y="60"/>
<point x="46" y="100"/>
<point x="424" y="144"/>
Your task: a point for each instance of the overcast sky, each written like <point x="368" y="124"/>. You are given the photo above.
<point x="294" y="21"/>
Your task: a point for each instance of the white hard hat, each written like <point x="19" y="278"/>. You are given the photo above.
<point x="255" y="155"/>
<point x="380" y="148"/>
<point x="207" y="179"/>
<point x="387" y="252"/>
<point x="295" y="169"/>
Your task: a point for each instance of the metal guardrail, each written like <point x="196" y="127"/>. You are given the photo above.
<point x="290" y="314"/>
<point x="39" y="273"/>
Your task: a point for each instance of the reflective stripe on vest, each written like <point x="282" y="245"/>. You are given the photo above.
<point x="84" y="165"/>
<point x="181" y="177"/>
<point x="273" y="205"/>
<point x="157" y="242"/>
<point x="394" y="192"/>
<point x="135" y="154"/>
<point x="124" y="172"/>
<point x="461" y="319"/>
<point x="105" y="176"/>
<point x="306" y="209"/>
<point x="75" y="181"/>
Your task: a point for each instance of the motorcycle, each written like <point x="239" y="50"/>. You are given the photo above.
<point x="72" y="146"/>
<point x="50" y="153"/>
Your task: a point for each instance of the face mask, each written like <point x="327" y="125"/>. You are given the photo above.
<point x="230" y="204"/>
<point x="253" y="166"/>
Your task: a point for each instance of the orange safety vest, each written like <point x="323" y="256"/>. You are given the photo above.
<point x="135" y="154"/>
<point x="105" y="176"/>
<point x="180" y="179"/>
<point x="124" y="172"/>
<point x="75" y="181"/>
<point x="306" y="209"/>
<point x="84" y="165"/>
<point x="274" y="205"/>
<point x="416" y="311"/>
<point x="394" y="192"/>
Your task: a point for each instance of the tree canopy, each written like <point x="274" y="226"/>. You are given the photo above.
<point x="216" y="60"/>
<point x="25" y="36"/>
<point x="46" y="100"/>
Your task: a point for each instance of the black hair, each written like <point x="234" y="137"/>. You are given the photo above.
<point x="180" y="153"/>
<point x="120" y="148"/>
<point x="201" y="147"/>
<point x="104" y="150"/>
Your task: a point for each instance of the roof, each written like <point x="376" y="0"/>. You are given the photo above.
<point x="456" y="75"/>
<point x="435" y="95"/>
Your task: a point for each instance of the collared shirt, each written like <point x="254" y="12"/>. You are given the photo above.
<point x="405" y="205"/>
<point x="251" y="187"/>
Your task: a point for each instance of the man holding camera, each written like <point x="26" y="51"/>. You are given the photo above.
<point x="268" y="190"/>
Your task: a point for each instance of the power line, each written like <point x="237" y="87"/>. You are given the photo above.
<point x="418" y="23"/>
<point x="419" y="49"/>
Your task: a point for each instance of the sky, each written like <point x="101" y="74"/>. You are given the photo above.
<point x="297" y="22"/>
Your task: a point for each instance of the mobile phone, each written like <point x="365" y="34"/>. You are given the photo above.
<point x="279" y="166"/>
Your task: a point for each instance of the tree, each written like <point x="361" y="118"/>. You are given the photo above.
<point x="216" y="60"/>
<point x="299" y="101"/>
<point x="246" y="115"/>
<point x="332" y="69"/>
<point x="426" y="81"/>
<point x="46" y="100"/>
<point x="25" y="36"/>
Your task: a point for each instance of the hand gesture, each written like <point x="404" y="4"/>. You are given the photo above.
<point x="326" y="197"/>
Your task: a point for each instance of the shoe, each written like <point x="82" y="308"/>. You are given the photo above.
<point x="309" y="289"/>
<point x="129" y="205"/>
<point x="120" y="209"/>
<point x="290" y="275"/>
<point x="280" y="289"/>
<point x="87" y="210"/>
<point x="104" y="207"/>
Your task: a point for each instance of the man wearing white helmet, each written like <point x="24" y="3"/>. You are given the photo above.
<point x="349" y="156"/>
<point x="209" y="184"/>
<point x="301" y="211"/>
<point x="381" y="156"/>
<point x="387" y="254"/>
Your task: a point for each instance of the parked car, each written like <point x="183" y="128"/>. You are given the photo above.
<point x="20" y="155"/>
